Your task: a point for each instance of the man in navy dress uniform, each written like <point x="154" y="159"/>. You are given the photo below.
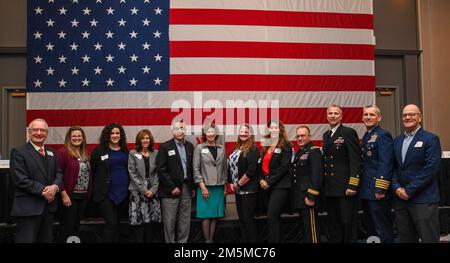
<point x="342" y="166"/>
<point x="417" y="157"/>
<point x="378" y="157"/>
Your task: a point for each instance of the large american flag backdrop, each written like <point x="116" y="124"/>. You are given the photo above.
<point x="143" y="62"/>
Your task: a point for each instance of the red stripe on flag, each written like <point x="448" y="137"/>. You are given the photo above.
<point x="225" y="82"/>
<point x="231" y="49"/>
<point x="152" y="117"/>
<point x="269" y="18"/>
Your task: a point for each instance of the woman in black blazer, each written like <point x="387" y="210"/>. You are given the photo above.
<point x="242" y="173"/>
<point x="109" y="163"/>
<point x="276" y="153"/>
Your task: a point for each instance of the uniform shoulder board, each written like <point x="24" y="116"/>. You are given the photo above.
<point x="315" y="147"/>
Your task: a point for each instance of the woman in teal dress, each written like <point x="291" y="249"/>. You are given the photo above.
<point x="210" y="173"/>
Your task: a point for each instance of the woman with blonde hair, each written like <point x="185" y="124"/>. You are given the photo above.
<point x="73" y="160"/>
<point x="242" y="173"/>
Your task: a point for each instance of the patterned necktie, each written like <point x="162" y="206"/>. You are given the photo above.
<point x="41" y="152"/>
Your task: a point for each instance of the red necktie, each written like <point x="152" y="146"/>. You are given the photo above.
<point x="41" y="152"/>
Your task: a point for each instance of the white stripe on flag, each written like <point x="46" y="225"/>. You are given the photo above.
<point x="328" y="6"/>
<point x="271" y="34"/>
<point x="139" y="100"/>
<point x="267" y="66"/>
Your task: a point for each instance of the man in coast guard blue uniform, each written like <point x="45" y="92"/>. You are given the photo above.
<point x="417" y="158"/>
<point x="378" y="157"/>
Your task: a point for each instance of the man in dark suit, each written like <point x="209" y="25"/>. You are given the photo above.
<point x="342" y="165"/>
<point x="307" y="183"/>
<point x="37" y="177"/>
<point x="176" y="184"/>
<point x="378" y="155"/>
<point x="417" y="158"/>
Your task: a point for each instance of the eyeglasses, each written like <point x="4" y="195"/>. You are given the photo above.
<point x="35" y="130"/>
<point x="179" y="129"/>
<point x="410" y="114"/>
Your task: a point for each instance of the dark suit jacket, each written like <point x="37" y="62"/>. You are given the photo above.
<point x="342" y="162"/>
<point x="378" y="155"/>
<point x="170" y="169"/>
<point x="418" y="174"/>
<point x="101" y="184"/>
<point x="30" y="177"/>
<point x="248" y="165"/>
<point x="308" y="175"/>
<point x="279" y="168"/>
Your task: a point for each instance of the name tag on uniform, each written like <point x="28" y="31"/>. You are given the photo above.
<point x="304" y="156"/>
<point x="104" y="157"/>
<point x="205" y="150"/>
<point x="171" y="152"/>
<point x="139" y="156"/>
<point x="277" y="150"/>
<point x="50" y="153"/>
<point x="419" y="144"/>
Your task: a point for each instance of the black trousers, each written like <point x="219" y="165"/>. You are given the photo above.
<point x="377" y="216"/>
<point x="277" y="202"/>
<point x="416" y="221"/>
<point x="71" y="217"/>
<point x="35" y="229"/>
<point x="309" y="224"/>
<point x="110" y="213"/>
<point x="246" y="209"/>
<point x="342" y="224"/>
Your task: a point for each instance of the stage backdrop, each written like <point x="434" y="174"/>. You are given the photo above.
<point x="143" y="62"/>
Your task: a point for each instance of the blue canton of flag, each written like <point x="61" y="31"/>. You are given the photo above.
<point x="88" y="46"/>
